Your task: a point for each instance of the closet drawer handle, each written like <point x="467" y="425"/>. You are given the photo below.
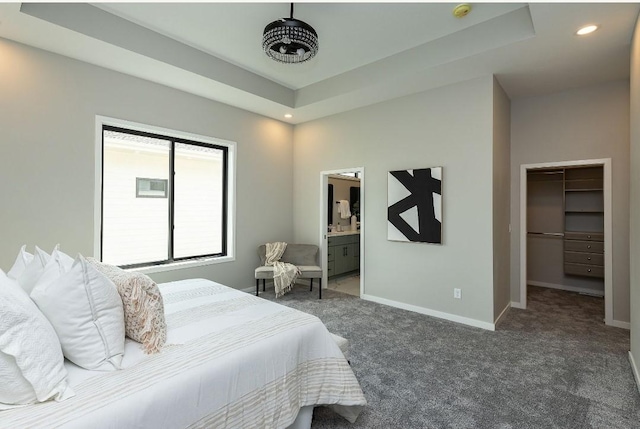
<point x="588" y="236"/>
<point x="588" y="259"/>
<point x="588" y="270"/>
<point x="589" y="246"/>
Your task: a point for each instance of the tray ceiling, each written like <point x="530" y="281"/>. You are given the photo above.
<point x="369" y="52"/>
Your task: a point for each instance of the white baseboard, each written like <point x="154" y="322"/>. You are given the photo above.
<point x="567" y="288"/>
<point x="249" y="290"/>
<point x="502" y="313"/>
<point x="618" y="324"/>
<point x="515" y="304"/>
<point x="434" y="313"/>
<point x="634" y="369"/>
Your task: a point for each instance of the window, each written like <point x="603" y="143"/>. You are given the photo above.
<point x="151" y="188"/>
<point x="180" y="208"/>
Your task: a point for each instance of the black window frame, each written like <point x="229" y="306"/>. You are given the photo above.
<point x="225" y="197"/>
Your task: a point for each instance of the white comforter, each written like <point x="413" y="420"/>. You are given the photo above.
<point x="233" y="360"/>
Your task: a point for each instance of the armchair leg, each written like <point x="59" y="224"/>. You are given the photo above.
<point x="264" y="285"/>
<point x="311" y="283"/>
<point x="257" y="287"/>
<point x="320" y="288"/>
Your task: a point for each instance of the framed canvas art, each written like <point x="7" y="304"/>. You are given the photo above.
<point x="414" y="209"/>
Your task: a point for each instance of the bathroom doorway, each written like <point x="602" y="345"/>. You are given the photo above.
<point x="342" y="230"/>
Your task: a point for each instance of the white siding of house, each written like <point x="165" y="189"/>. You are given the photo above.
<point x="198" y="202"/>
<point x="134" y="230"/>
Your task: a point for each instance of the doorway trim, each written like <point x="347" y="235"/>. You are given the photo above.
<point x="608" y="229"/>
<point x="324" y="221"/>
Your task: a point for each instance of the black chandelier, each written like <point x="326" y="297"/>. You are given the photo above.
<point x="289" y="40"/>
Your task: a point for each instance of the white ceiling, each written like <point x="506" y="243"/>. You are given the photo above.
<point x="367" y="32"/>
<point x="369" y="52"/>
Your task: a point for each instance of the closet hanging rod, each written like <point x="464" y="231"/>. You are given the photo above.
<point x="546" y="172"/>
<point x="550" y="234"/>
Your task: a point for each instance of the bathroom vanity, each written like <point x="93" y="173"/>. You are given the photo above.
<point x="343" y="253"/>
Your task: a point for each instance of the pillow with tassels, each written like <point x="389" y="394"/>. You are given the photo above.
<point x="144" y="320"/>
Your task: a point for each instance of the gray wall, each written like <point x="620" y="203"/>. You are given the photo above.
<point x="584" y="123"/>
<point x="48" y="105"/>
<point x="449" y="127"/>
<point x="501" y="190"/>
<point x="635" y="195"/>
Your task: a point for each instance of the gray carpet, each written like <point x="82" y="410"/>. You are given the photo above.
<point x="554" y="365"/>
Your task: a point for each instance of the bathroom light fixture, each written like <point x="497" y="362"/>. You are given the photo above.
<point x="587" y="29"/>
<point x="288" y="115"/>
<point x="289" y="40"/>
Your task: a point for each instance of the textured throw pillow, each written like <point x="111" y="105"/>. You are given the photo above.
<point x="85" y="310"/>
<point x="31" y="361"/>
<point x="32" y="272"/>
<point x="22" y="260"/>
<point x="143" y="306"/>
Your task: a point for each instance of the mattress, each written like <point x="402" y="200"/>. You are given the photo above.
<point x="232" y="360"/>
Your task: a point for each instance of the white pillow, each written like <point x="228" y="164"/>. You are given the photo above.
<point x="32" y="272"/>
<point x="16" y="390"/>
<point x="85" y="309"/>
<point x="62" y="260"/>
<point x="22" y="260"/>
<point x="59" y="263"/>
<point x="31" y="362"/>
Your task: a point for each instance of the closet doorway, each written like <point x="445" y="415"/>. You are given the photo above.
<point x="565" y="228"/>
<point x="342" y="226"/>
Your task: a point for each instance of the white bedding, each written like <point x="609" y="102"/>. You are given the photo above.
<point x="232" y="360"/>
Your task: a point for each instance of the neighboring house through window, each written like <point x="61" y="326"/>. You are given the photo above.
<point x="165" y="196"/>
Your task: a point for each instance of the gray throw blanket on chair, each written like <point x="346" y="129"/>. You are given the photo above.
<point x="284" y="274"/>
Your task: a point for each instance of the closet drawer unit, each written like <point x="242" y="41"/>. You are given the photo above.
<point x="584" y="246"/>
<point x="584" y="236"/>
<point x="584" y="270"/>
<point x="584" y="258"/>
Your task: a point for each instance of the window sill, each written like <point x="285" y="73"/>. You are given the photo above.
<point x="183" y="264"/>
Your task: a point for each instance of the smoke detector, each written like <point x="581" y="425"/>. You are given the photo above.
<point x="462" y="10"/>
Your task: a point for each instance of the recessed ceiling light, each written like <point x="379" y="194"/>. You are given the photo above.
<point x="587" y="29"/>
<point x="288" y="116"/>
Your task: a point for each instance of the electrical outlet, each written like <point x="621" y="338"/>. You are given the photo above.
<point x="457" y="293"/>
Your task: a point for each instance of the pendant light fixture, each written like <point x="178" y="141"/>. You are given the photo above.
<point x="289" y="40"/>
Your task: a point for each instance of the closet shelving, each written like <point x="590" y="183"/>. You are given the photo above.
<point x="569" y="206"/>
<point x="584" y="222"/>
<point x="583" y="199"/>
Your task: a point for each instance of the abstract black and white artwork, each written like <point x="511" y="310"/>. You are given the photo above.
<point x="415" y="205"/>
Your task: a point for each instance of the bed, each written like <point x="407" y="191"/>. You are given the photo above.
<point x="232" y="360"/>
